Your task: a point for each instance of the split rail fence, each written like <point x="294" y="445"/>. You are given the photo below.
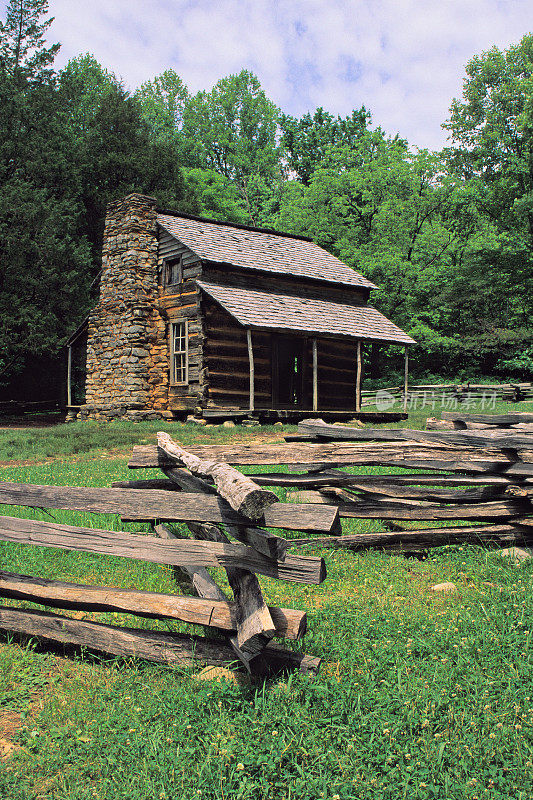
<point x="215" y="502"/>
<point x="480" y="477"/>
<point x="461" y="392"/>
<point x="476" y="487"/>
<point x="475" y="484"/>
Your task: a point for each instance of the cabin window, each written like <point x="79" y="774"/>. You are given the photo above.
<point x="179" y="353"/>
<point x="173" y="271"/>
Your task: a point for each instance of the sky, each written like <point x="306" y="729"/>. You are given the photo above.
<point x="402" y="59"/>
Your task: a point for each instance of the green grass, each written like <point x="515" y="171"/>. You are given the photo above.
<point x="88" y="437"/>
<point x="421" y="695"/>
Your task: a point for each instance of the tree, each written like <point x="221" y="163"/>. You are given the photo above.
<point x="44" y="263"/>
<point x="307" y="140"/>
<point x="162" y="103"/>
<point x="22" y="40"/>
<point x="233" y="130"/>
<point x="113" y="149"/>
<point x="492" y="129"/>
<point x="83" y="84"/>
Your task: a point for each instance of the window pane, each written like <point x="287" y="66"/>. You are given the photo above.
<point x="179" y="354"/>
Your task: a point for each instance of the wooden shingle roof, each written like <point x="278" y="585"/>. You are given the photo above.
<point x="251" y="248"/>
<point x="268" y="310"/>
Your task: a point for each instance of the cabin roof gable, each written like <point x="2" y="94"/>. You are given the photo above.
<point x="260" y="249"/>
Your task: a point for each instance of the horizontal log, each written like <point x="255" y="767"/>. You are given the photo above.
<point x="432" y="494"/>
<point x="410" y="455"/>
<point x="178" y="552"/>
<point x="459" y="425"/>
<point x="236" y="393"/>
<point x="490" y="419"/>
<point x="364" y="508"/>
<point x="424" y="538"/>
<point x="163" y="484"/>
<point x="290" y="624"/>
<point x="315" y="480"/>
<point x="165" y="648"/>
<point x="499" y="440"/>
<point x="143" y="504"/>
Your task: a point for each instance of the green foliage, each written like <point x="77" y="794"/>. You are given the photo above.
<point x="232" y="130"/>
<point x="447" y="237"/>
<point x="23" y="54"/>
<point x="162" y="103"/>
<point x="307" y="140"/>
<point x="521" y="364"/>
<point x="492" y="128"/>
<point x="43" y="260"/>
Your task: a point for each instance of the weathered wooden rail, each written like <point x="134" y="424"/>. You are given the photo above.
<point x="481" y="479"/>
<point x="482" y="476"/>
<point x="461" y="392"/>
<point x="218" y="505"/>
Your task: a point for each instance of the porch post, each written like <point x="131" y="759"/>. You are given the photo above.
<point x="251" y="363"/>
<point x="69" y="375"/>
<point x="315" y="376"/>
<point x="358" y="378"/>
<point x="405" y="378"/>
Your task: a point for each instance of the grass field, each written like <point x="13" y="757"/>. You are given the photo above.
<point x="422" y="695"/>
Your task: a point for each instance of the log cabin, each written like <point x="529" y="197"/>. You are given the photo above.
<point x="201" y="316"/>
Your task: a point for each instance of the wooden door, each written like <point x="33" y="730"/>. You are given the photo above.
<point x="288" y="371"/>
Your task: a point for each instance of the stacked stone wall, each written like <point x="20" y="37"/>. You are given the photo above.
<point x="127" y="353"/>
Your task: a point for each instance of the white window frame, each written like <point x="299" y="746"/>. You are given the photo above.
<point x="179" y="356"/>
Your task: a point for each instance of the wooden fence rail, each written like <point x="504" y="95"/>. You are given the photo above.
<point x="215" y="502"/>
<point x="460" y="392"/>
<point x="481" y="479"/>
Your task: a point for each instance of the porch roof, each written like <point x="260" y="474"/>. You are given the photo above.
<point x="282" y="312"/>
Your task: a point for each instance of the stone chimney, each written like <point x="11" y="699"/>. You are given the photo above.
<point x="125" y="328"/>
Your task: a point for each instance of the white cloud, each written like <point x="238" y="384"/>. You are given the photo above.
<point x="402" y="59"/>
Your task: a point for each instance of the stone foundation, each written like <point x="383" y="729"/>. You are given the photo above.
<point x="127" y="351"/>
<point x="109" y="412"/>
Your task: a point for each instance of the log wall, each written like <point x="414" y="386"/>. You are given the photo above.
<point x="182" y="302"/>
<point x="226" y="360"/>
<point x="337" y="365"/>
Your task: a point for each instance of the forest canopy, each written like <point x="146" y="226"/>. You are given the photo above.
<point x="447" y="236"/>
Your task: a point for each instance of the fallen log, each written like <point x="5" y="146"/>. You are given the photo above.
<point x="179" y="552"/>
<point x="165" y="648"/>
<point x="243" y="495"/>
<point x="146" y="505"/>
<point x="220" y="614"/>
